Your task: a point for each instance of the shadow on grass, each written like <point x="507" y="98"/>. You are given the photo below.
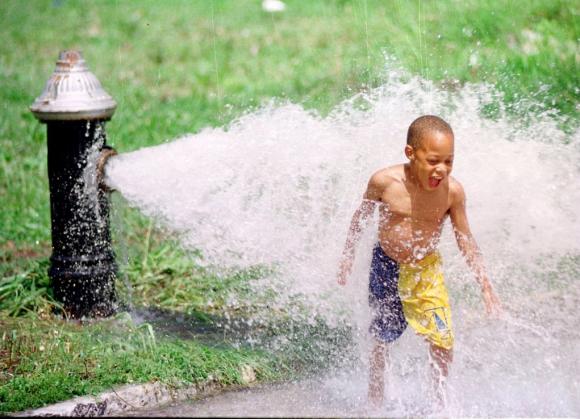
<point x="298" y="348"/>
<point x="209" y="329"/>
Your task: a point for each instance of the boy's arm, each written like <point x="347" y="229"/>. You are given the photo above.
<point x="468" y="247"/>
<point x="358" y="222"/>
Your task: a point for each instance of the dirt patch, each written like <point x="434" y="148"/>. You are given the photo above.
<point x="9" y="251"/>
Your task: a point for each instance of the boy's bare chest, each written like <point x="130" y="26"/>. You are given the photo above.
<point x="428" y="208"/>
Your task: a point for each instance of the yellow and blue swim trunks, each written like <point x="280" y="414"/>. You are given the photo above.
<point x="414" y="294"/>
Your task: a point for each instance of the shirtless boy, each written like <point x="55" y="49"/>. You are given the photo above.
<point x="406" y="285"/>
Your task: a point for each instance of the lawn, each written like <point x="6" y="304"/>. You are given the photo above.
<point x="178" y="66"/>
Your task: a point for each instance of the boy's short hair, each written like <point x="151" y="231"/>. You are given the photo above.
<point x="424" y="124"/>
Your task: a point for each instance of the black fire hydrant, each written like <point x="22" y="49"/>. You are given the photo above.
<point x="75" y="107"/>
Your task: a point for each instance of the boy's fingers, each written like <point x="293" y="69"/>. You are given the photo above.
<point x="488" y="308"/>
<point x="492" y="305"/>
<point x="341" y="277"/>
<point x="494" y="308"/>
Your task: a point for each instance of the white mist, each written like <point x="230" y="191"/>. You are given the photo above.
<point x="279" y="185"/>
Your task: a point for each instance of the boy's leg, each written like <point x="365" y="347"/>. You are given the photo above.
<point x="377" y="363"/>
<point x="441" y="359"/>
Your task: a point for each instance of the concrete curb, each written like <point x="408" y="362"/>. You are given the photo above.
<point x="129" y="398"/>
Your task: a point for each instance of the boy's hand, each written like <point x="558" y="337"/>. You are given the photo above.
<point x="344" y="270"/>
<point x="491" y="301"/>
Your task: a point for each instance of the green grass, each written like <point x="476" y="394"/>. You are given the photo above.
<point x="27" y="290"/>
<point x="178" y="66"/>
<point x="45" y="361"/>
<point x="157" y="272"/>
<point x="190" y="335"/>
<point x="175" y="67"/>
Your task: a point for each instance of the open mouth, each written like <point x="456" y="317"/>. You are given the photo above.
<point x="434" y="182"/>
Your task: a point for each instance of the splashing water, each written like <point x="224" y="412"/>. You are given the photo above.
<point x="278" y="187"/>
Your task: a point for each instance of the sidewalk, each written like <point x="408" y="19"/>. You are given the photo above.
<point x="124" y="399"/>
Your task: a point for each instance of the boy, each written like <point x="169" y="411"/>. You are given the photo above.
<point x="406" y="283"/>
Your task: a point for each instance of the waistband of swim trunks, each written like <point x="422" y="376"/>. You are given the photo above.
<point x="429" y="260"/>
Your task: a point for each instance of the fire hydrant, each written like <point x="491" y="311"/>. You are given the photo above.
<point x="75" y="108"/>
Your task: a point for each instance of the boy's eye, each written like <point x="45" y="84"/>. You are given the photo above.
<point x="432" y="161"/>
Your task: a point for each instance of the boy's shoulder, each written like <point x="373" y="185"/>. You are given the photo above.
<point x="388" y="175"/>
<point x="383" y="180"/>
<point x="456" y="191"/>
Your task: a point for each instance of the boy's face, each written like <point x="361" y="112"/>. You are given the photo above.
<point x="432" y="160"/>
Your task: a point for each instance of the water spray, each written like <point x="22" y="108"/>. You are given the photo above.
<point x="75" y="108"/>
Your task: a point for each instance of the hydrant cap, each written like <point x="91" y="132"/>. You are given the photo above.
<point x="73" y="93"/>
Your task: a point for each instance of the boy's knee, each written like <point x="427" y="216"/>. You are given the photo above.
<point x="381" y="346"/>
<point x="440" y="353"/>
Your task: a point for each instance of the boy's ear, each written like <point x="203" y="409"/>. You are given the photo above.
<point x="410" y="152"/>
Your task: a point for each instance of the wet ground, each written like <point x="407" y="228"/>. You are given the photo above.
<point x="523" y="364"/>
<point x="312" y="398"/>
